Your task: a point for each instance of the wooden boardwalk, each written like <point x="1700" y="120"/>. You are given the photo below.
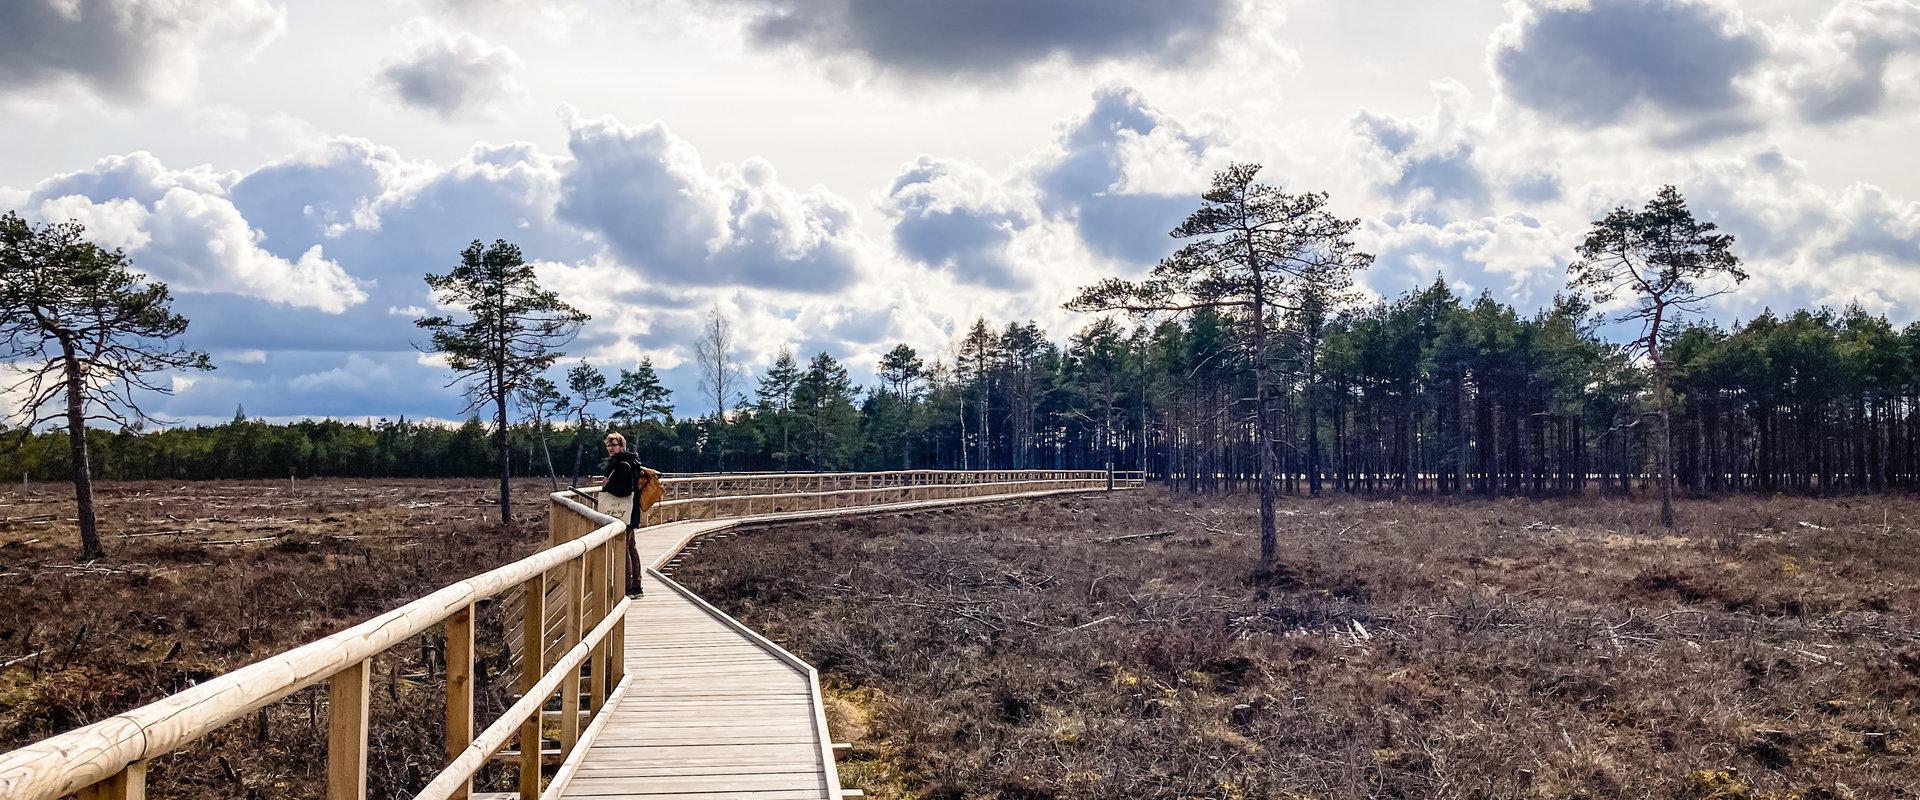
<point x="685" y="702"/>
<point x="712" y="709"/>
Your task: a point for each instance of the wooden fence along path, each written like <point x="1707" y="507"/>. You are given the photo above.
<point x="661" y="696"/>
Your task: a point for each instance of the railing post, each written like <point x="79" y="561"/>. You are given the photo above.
<point x="128" y="784"/>
<point x="617" y="651"/>
<point x="347" y="733"/>
<point x="460" y="690"/>
<point x="555" y="510"/>
<point x="570" y="685"/>
<point x="596" y="609"/>
<point x="533" y="644"/>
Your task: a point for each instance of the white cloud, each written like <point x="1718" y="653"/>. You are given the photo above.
<point x="956" y="217"/>
<point x="645" y="192"/>
<point x="181" y="227"/>
<point x="454" y="74"/>
<point x="1850" y="65"/>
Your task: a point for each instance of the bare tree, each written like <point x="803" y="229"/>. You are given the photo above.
<point x="1659" y="256"/>
<point x="719" y="380"/>
<point x="586" y="385"/>
<point x="86" y="336"/>
<point x="540" y="400"/>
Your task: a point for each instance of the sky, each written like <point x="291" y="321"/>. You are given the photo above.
<point x="843" y="175"/>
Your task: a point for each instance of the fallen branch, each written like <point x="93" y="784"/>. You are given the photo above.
<point x="1132" y="537"/>
<point x="242" y="541"/>
<point x="1107" y="618"/>
<point x="22" y="659"/>
<point x="1207" y="525"/>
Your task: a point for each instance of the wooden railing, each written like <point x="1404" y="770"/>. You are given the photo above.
<point x="574" y="588"/>
<point x="692" y="498"/>
<point x="680" y="488"/>
<point x="107" y="760"/>
<point x="851" y="490"/>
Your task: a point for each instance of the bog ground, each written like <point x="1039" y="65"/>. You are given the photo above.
<point x="204" y="577"/>
<point x="1122" y="647"/>
<point x="1076" y="647"/>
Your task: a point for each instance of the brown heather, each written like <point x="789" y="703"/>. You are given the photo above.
<point x="1096" y="647"/>
<point x="220" y="574"/>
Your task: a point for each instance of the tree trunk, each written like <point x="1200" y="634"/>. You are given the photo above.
<point x="1263" y="435"/>
<point x="506" y="469"/>
<point x="90" y="547"/>
<point x="1313" y="425"/>
<point x="1460" y="433"/>
<point x="963" y="433"/>
<point x="1665" y="464"/>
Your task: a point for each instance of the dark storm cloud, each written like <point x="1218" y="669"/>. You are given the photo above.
<point x="1610" y="62"/>
<point x="991" y="37"/>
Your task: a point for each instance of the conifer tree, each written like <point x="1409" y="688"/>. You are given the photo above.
<point x="776" y="400"/>
<point x="1251" y="248"/>
<point x="639" y="396"/>
<point x="87" y="334"/>
<point x="510" y="335"/>
<point x="1669" y="264"/>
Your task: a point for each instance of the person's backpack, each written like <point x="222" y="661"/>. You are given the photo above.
<point x="648" y="488"/>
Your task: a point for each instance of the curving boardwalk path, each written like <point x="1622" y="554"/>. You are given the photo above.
<point x="711" y="709"/>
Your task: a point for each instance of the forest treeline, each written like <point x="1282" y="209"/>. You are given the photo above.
<point x="1429" y="392"/>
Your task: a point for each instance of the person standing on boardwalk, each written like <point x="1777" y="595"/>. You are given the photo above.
<point x="619" y="497"/>
<point x="618" y="489"/>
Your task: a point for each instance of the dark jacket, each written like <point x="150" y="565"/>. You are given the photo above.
<point x="623" y="471"/>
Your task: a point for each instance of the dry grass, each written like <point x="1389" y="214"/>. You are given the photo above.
<point x="207" y="577"/>
<point x="1119" y="647"/>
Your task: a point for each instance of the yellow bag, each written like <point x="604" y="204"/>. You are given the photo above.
<point x="651" y="491"/>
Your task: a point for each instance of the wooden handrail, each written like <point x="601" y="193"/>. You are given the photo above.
<point x="112" y="750"/>
<point x="108" y="759"/>
<point x="451" y="780"/>
<point x="713" y="507"/>
<point x="685" y="487"/>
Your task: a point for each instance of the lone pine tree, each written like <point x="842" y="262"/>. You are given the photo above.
<point x="510" y="335"/>
<point x="1667" y="263"/>
<point x="1256" y="250"/>
<point x="87" y="334"/>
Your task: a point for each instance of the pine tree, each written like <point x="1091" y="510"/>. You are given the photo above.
<point x="586" y="385"/>
<point x="510" y="337"/>
<point x="639" y="396"/>
<point x="88" y="334"/>
<point x="974" y="363"/>
<point x="1670" y="264"/>
<point x="823" y="397"/>
<point x="1251" y="247"/>
<point x="776" y="401"/>
<point x="901" y="370"/>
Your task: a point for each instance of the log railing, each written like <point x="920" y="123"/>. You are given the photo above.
<point x="574" y="588"/>
<point x="812" y="493"/>
<point x="692" y="486"/>
<point x="107" y="760"/>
